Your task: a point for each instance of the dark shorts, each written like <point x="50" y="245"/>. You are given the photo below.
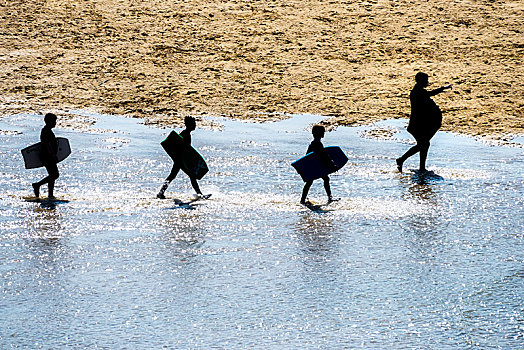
<point x="52" y="170"/>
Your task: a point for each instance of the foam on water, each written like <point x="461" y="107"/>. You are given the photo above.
<point x="401" y="261"/>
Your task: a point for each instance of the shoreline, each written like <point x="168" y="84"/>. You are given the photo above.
<point x="351" y="62"/>
<point x="84" y="120"/>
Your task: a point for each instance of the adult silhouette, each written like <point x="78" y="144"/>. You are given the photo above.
<point x="425" y="119"/>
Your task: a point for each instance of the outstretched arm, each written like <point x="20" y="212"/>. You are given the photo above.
<point x="439" y="90"/>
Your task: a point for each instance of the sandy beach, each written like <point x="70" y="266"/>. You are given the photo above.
<point x="353" y="61"/>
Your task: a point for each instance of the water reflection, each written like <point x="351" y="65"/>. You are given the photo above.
<point x="423" y="193"/>
<point x="401" y="260"/>
<point x="184" y="233"/>
<point x="317" y="235"/>
<point x="432" y="220"/>
<point x="44" y="222"/>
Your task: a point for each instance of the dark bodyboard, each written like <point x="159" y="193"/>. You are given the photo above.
<point x="313" y="166"/>
<point x="188" y="158"/>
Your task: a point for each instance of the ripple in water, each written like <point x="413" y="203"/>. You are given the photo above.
<point x="401" y="261"/>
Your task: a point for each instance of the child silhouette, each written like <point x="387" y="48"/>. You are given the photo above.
<point x="317" y="146"/>
<point x="190" y="125"/>
<point x="48" y="156"/>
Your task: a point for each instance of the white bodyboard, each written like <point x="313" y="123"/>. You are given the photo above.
<point x="31" y="154"/>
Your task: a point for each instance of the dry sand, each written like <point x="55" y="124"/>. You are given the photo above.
<point x="352" y="60"/>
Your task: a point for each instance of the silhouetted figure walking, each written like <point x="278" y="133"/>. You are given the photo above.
<point x="190" y="124"/>
<point x="48" y="156"/>
<point x="425" y="119"/>
<point x="317" y="146"/>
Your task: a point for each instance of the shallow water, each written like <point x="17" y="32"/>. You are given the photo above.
<point x="401" y="261"/>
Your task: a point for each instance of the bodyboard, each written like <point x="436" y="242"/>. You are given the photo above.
<point x="191" y="162"/>
<point x="313" y="166"/>
<point x="31" y="154"/>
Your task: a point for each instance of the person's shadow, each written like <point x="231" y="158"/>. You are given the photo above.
<point x="46" y="203"/>
<point x="425" y="177"/>
<point x="186" y="204"/>
<point x="422" y="187"/>
<point x="317" y="234"/>
<point x="318" y="208"/>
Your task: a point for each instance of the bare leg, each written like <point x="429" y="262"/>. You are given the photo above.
<point x="424" y="148"/>
<point x="194" y="183"/>
<point x="174" y="172"/>
<point x="51" y="188"/>
<point x="412" y="151"/>
<point x="36" y="189"/>
<point x="171" y="177"/>
<point x="327" y="187"/>
<point x="50" y="179"/>
<point x="305" y="191"/>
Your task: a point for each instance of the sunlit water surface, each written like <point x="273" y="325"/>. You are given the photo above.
<point x="401" y="261"/>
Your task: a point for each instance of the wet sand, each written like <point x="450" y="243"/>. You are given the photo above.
<point x="354" y="61"/>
